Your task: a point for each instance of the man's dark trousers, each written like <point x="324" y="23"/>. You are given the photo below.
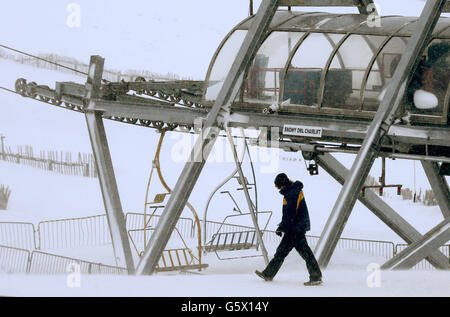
<point x="298" y="241"/>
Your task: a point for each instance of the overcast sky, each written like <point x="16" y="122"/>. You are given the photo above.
<point x="176" y="36"/>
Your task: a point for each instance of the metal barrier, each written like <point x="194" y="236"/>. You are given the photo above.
<point x="74" y="232"/>
<point x="424" y="264"/>
<point x="13" y="260"/>
<point x="18" y="239"/>
<point x="18" y="235"/>
<point x="47" y="263"/>
<point x="372" y="247"/>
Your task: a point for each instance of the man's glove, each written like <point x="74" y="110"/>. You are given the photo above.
<point x="279" y="232"/>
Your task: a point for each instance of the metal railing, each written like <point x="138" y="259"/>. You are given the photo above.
<point x="13" y="260"/>
<point x="18" y="234"/>
<point x="424" y="264"/>
<point x="16" y="239"/>
<point x="47" y="263"/>
<point x="73" y="232"/>
<point x="380" y="248"/>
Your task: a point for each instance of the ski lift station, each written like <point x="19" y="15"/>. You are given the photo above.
<point x="318" y="83"/>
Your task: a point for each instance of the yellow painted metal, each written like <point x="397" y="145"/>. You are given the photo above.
<point x="159" y="198"/>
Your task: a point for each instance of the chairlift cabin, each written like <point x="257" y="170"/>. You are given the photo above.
<point x="334" y="65"/>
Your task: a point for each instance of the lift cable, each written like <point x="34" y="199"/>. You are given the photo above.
<point x="47" y="61"/>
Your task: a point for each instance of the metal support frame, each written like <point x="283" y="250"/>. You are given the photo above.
<point x="205" y="142"/>
<point x="380" y="126"/>
<point x="439" y="186"/>
<point x="382" y="210"/>
<point x="251" y="207"/>
<point x="360" y="4"/>
<point x="417" y="251"/>
<point x="108" y="185"/>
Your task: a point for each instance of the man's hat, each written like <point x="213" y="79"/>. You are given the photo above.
<point x="281" y="180"/>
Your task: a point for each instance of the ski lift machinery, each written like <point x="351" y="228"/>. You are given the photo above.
<point x="358" y="94"/>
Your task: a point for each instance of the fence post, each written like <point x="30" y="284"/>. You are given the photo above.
<point x="2" y="137"/>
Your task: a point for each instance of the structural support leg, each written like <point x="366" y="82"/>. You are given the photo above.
<point x="417" y="251"/>
<point x="380" y="126"/>
<point x="382" y="210"/>
<point x="205" y="142"/>
<point x="439" y="186"/>
<point x="247" y="197"/>
<point x="107" y="179"/>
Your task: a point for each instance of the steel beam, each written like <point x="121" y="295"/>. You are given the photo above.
<point x="107" y="179"/>
<point x="439" y="186"/>
<point x="382" y="210"/>
<point x="362" y="5"/>
<point x="380" y="126"/>
<point x="250" y="205"/>
<point x="217" y="117"/>
<point x="418" y="250"/>
<point x="333" y="129"/>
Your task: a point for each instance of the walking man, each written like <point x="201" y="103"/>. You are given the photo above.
<point x="294" y="225"/>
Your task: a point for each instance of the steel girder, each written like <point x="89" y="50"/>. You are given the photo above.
<point x="361" y="4"/>
<point x="382" y="210"/>
<point x="333" y="129"/>
<point x="108" y="185"/>
<point x="377" y="131"/>
<point x="204" y="144"/>
<point x="439" y="186"/>
<point x="418" y="250"/>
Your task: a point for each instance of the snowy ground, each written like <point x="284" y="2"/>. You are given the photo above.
<point x="235" y="278"/>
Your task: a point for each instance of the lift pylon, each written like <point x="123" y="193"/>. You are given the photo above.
<point x="106" y="176"/>
<point x="379" y="127"/>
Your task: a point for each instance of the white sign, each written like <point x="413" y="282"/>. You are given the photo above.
<point x="297" y="130"/>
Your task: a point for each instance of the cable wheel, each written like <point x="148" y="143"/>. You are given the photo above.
<point x="172" y="126"/>
<point x="146" y="123"/>
<point x="43" y="98"/>
<point x="174" y="99"/>
<point x="158" y="124"/>
<point x="188" y="103"/>
<point x="69" y="105"/>
<point x="21" y="86"/>
<point x="130" y="120"/>
<point x="56" y="101"/>
<point x="162" y="95"/>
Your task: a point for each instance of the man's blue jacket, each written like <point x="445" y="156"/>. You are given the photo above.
<point x="295" y="212"/>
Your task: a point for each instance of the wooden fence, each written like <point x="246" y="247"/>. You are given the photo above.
<point x="60" y="162"/>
